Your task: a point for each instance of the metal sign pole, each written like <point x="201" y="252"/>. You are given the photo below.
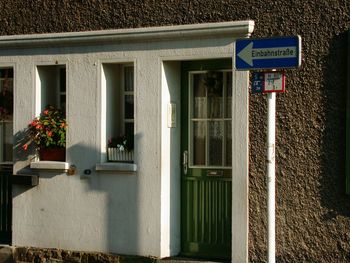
<point x="271" y="124"/>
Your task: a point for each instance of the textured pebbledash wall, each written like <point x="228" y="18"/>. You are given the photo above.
<point x="313" y="212"/>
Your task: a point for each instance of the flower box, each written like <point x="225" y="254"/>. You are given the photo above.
<point x="52" y="154"/>
<point x="118" y="155"/>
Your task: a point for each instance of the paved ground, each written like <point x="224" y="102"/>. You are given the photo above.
<point x="7" y="256"/>
<point x="187" y="260"/>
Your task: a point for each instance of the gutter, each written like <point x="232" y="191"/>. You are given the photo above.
<point x="206" y="30"/>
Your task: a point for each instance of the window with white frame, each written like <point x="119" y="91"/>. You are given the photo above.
<point x="118" y="112"/>
<point x="6" y="115"/>
<point x="52" y="87"/>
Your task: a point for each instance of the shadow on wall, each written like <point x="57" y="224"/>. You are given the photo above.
<point x="108" y="206"/>
<point x="108" y="201"/>
<point x="333" y="195"/>
<point x="22" y="157"/>
<point x="20" y="139"/>
<point x="118" y="194"/>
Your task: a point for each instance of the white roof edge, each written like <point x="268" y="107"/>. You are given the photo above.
<point x="220" y="29"/>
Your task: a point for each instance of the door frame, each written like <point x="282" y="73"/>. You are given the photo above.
<point x="240" y="165"/>
<point x="170" y="156"/>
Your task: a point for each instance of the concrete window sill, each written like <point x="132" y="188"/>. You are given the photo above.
<point x="116" y="167"/>
<point x="49" y="165"/>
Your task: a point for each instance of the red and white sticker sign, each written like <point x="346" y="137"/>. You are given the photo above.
<point x="274" y="82"/>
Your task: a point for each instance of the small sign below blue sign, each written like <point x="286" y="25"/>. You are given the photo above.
<point x="266" y="82"/>
<point x="268" y="53"/>
<point x="258" y="82"/>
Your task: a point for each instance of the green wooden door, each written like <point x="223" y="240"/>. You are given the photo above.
<point x="206" y="146"/>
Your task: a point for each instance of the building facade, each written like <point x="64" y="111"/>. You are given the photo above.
<point x="162" y="71"/>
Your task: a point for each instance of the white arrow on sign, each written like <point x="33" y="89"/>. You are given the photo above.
<point x="248" y="54"/>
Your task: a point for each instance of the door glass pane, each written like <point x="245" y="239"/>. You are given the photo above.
<point x="199" y="96"/>
<point x="210" y="118"/>
<point x="214" y="86"/>
<point x="216" y="133"/>
<point x="199" y="139"/>
<point x="229" y="94"/>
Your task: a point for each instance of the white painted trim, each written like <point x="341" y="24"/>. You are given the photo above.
<point x="170" y="159"/>
<point x="37" y="92"/>
<point x="123" y="167"/>
<point x="49" y="165"/>
<point x="211" y="30"/>
<point x="103" y="112"/>
<point x="240" y="166"/>
<point x="38" y="87"/>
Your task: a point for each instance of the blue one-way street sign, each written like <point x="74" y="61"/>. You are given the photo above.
<point x="268" y="53"/>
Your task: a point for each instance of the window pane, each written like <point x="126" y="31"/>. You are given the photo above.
<point x="229" y="143"/>
<point x="63" y="102"/>
<point x="129" y="79"/>
<point x="6" y="96"/>
<point x="214" y="85"/>
<point x="6" y="141"/>
<point x="216" y="132"/>
<point x="128" y="106"/>
<point x="6" y="73"/>
<point x="6" y="114"/>
<point x="199" y="96"/>
<point x="129" y="128"/>
<point x="229" y="94"/>
<point x="62" y="79"/>
<point x="199" y="138"/>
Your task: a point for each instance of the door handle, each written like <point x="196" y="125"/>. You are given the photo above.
<point x="185" y="161"/>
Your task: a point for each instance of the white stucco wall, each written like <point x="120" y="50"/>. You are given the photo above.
<point x="116" y="212"/>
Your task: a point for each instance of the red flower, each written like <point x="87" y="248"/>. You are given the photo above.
<point x="33" y="123"/>
<point x="25" y="147"/>
<point x="46" y="112"/>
